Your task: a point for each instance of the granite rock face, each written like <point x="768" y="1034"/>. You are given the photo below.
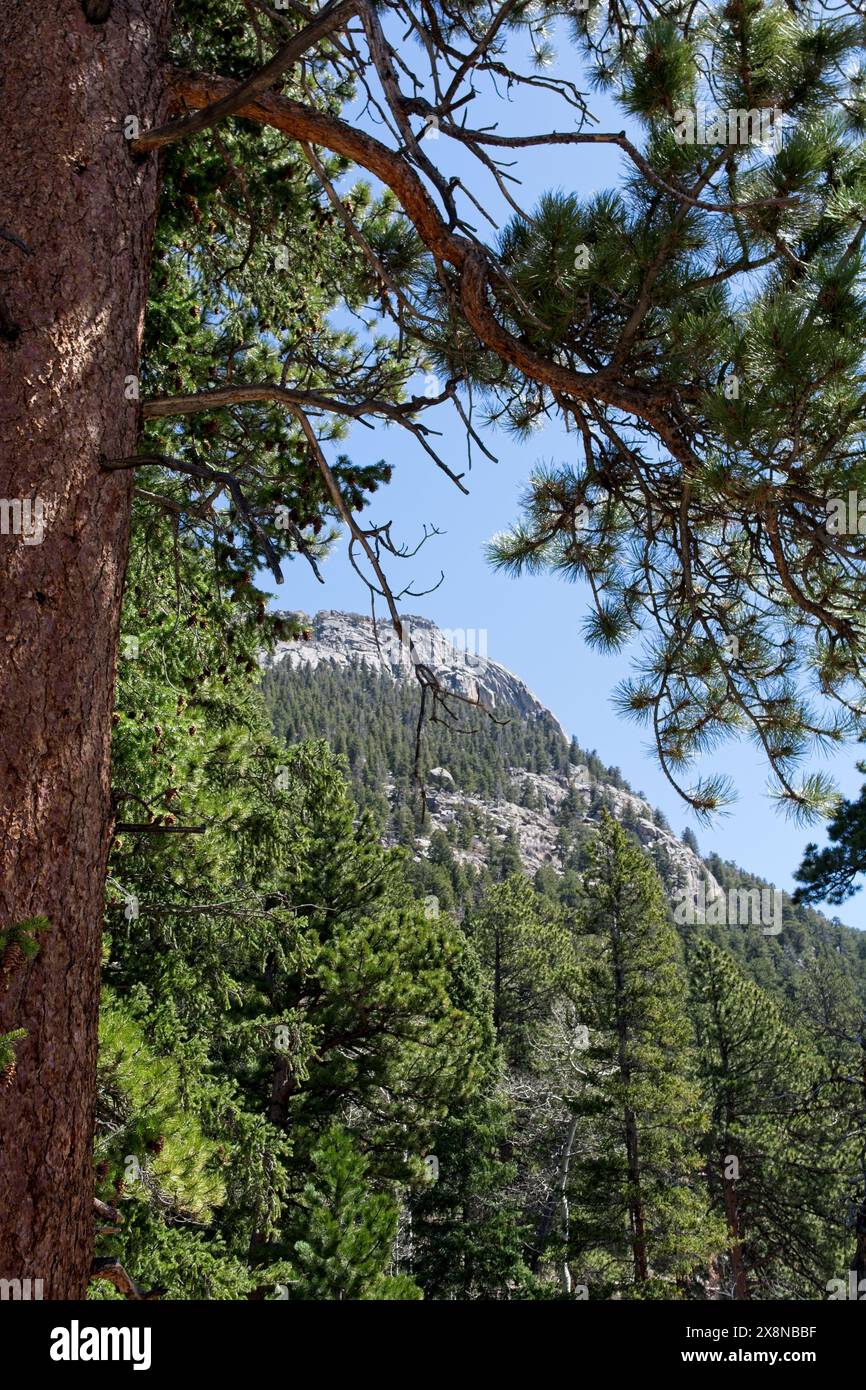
<point x="536" y="830"/>
<point x="459" y="658"/>
<point x="345" y="639"/>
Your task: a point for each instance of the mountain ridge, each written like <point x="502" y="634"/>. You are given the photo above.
<point x="341" y="637"/>
<point x="532" y="812"/>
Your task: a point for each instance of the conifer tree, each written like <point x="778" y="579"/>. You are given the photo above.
<point x="638" y="1213"/>
<point x="830" y="874"/>
<point x="466" y="1226"/>
<point x="772" y="1162"/>
<point x="690" y="839"/>
<point x="836" y="1017"/>
<point x="525" y="948"/>
<point x="699" y="326"/>
<point x="347" y="1232"/>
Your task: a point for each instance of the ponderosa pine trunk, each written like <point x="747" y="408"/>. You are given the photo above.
<point x="637" y="1224"/>
<point x="735" y="1249"/>
<point x="70" y="330"/>
<point x="858" y="1261"/>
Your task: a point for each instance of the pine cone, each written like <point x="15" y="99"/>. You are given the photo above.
<point x="13" y="959"/>
<point x="7" y="1076"/>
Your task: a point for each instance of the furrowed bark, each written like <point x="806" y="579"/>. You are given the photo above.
<point x="637" y="1224"/>
<point x="73" y="309"/>
<point x="735" y="1250"/>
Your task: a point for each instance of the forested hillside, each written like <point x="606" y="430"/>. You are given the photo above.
<point x="369" y="719"/>
<point x="330" y="1069"/>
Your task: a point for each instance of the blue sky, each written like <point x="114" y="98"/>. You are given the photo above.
<point x="532" y="624"/>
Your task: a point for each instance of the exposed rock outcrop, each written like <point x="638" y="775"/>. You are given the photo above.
<point x="531" y="811"/>
<point x="459" y="657"/>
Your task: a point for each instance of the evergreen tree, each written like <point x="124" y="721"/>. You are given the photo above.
<point x="634" y="278"/>
<point x="836" y="1017"/>
<point x="830" y="874"/>
<point x="348" y="1233"/>
<point x="525" y="948"/>
<point x="466" y="1226"/>
<point x="690" y="839"/>
<point x="772" y="1163"/>
<point x="673" y="320"/>
<point x="639" y="1217"/>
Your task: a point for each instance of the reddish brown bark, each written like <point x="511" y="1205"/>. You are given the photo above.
<point x="735" y="1252"/>
<point x="71" y="325"/>
<point x="637" y="1224"/>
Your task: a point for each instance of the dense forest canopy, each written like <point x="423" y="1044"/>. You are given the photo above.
<point x="282" y="993"/>
<point x="287" y="969"/>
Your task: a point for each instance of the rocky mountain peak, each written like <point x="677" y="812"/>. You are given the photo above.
<point x="457" y="656"/>
<point x="531" y="810"/>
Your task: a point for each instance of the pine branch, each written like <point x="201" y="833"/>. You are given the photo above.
<point x="229" y="480"/>
<point x="332" y="17"/>
<point x="109" y="1267"/>
<point x="136" y="828"/>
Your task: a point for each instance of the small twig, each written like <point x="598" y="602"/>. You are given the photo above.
<point x="140" y="829"/>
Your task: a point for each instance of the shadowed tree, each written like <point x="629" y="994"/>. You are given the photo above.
<point x="773" y="1155"/>
<point x="637" y="1204"/>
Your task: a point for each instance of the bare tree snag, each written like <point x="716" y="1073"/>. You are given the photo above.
<point x="84" y="209"/>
